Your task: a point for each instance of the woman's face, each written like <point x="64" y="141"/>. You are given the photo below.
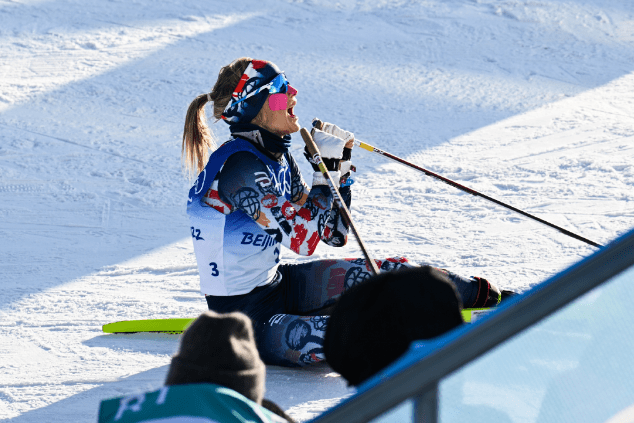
<point x="277" y="113"/>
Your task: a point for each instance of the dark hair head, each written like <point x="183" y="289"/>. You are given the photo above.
<point x="374" y="322"/>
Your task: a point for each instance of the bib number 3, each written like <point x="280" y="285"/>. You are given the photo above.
<point x="214" y="269"/>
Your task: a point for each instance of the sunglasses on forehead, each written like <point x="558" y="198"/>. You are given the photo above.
<point x="279" y="84"/>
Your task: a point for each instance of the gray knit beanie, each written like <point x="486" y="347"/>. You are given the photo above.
<point x="220" y="349"/>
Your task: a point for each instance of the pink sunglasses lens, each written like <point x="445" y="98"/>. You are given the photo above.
<point x="278" y="102"/>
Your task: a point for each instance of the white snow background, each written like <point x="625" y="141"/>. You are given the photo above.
<point x="530" y="102"/>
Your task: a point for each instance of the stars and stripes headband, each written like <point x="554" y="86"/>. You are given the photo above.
<point x="259" y="79"/>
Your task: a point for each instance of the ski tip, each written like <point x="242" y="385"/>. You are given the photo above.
<point x="470" y="315"/>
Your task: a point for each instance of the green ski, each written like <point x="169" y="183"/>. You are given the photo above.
<point x="179" y="325"/>
<point x="151" y="325"/>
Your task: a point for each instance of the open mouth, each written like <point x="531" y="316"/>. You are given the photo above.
<point x="290" y="112"/>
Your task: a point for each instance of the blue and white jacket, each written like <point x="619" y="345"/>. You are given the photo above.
<point x="244" y="204"/>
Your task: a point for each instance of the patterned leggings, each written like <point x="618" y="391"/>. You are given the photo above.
<point x="290" y="315"/>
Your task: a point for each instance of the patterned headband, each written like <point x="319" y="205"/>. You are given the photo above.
<point x="242" y="109"/>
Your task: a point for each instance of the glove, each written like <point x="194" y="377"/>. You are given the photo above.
<point x="332" y="129"/>
<point x="345" y="165"/>
<point x="330" y="148"/>
<point x="320" y="179"/>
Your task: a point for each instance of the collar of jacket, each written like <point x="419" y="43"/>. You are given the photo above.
<point x="272" y="144"/>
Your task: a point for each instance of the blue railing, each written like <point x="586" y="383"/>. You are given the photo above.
<point x="417" y="374"/>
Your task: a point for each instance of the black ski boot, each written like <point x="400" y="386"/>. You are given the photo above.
<point x="488" y="294"/>
<point x="477" y="292"/>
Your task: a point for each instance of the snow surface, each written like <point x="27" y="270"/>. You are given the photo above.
<point x="527" y="101"/>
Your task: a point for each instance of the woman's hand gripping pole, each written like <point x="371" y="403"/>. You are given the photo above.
<point x="345" y="213"/>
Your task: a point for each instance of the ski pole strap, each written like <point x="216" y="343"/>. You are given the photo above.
<point x="345" y="213"/>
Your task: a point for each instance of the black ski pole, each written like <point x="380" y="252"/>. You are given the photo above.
<point x="318" y="124"/>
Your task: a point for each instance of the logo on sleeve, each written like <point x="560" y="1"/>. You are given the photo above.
<point x="269" y="201"/>
<point x="288" y="210"/>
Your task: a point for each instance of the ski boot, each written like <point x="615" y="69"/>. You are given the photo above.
<point x="477" y="292"/>
<point x="489" y="295"/>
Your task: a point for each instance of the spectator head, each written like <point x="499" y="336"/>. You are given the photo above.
<point x="374" y="323"/>
<point x="220" y="349"/>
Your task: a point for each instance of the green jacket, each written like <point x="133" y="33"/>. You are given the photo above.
<point x="195" y="403"/>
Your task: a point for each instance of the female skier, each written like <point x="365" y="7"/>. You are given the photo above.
<point x="250" y="198"/>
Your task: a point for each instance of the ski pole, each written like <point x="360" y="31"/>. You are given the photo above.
<point x="345" y="213"/>
<point x="318" y="124"/>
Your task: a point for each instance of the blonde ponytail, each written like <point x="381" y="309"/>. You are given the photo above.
<point x="198" y="140"/>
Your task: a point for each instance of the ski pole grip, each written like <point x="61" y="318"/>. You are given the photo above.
<point x="310" y="144"/>
<point x="318" y="124"/>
